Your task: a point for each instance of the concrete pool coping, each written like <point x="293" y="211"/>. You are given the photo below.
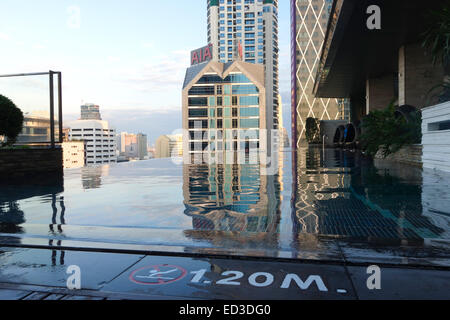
<point x="433" y="255"/>
<point x="30" y="274"/>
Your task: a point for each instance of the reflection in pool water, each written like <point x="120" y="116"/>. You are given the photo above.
<point x="344" y="195"/>
<point x="314" y="195"/>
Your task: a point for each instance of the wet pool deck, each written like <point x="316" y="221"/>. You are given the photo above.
<point x="41" y="274"/>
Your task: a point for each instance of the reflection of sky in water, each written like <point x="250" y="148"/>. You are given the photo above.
<point x="158" y="202"/>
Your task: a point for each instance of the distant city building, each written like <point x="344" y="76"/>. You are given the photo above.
<point x="132" y="146"/>
<point x="142" y="146"/>
<point x="90" y="112"/>
<point x="151" y="152"/>
<point x="284" y="138"/>
<point x="66" y="132"/>
<point x="308" y="27"/>
<point x="36" y="128"/>
<point x="248" y="31"/>
<point x="73" y="154"/>
<point x="168" y="146"/>
<point x="99" y="138"/>
<point x="223" y="108"/>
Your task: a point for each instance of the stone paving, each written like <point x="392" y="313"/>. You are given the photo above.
<point x="41" y="274"/>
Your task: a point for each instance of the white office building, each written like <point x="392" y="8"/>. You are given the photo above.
<point x="99" y="138"/>
<point x="73" y="154"/>
<point x="247" y="30"/>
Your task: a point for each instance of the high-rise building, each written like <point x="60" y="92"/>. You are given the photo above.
<point x="309" y="19"/>
<point x="90" y="112"/>
<point x="99" y="137"/>
<point x="223" y="109"/>
<point x="247" y="30"/>
<point x="142" y="146"/>
<point x="132" y="146"/>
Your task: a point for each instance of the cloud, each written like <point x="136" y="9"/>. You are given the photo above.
<point x="164" y="74"/>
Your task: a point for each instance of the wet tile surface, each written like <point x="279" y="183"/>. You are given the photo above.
<point x="400" y="284"/>
<point x="37" y="296"/>
<point x="233" y="279"/>
<point x="49" y="267"/>
<point x="414" y="254"/>
<point x="12" y="294"/>
<point x="120" y="276"/>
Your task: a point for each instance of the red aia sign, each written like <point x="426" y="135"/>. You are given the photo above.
<point x="201" y="55"/>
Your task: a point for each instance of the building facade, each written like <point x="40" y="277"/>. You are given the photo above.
<point x="90" y="112"/>
<point x="36" y="129"/>
<point x="247" y="30"/>
<point x="169" y="146"/>
<point x="100" y="140"/>
<point x="309" y="19"/>
<point x="223" y="109"/>
<point x="73" y="154"/>
<point x="132" y="146"/>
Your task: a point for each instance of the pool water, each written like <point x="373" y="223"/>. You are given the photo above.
<point x="313" y="201"/>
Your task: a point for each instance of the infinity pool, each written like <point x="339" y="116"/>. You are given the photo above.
<point x="315" y="204"/>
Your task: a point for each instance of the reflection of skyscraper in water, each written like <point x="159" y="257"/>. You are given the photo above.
<point x="316" y="181"/>
<point x="236" y="200"/>
<point x="91" y="177"/>
<point x="339" y="194"/>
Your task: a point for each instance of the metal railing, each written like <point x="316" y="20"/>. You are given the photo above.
<point x="51" y="75"/>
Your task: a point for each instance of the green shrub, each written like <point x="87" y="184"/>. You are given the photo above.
<point x="11" y="120"/>
<point x="383" y="131"/>
<point x="312" y="130"/>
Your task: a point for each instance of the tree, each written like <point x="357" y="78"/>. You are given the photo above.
<point x="11" y="120"/>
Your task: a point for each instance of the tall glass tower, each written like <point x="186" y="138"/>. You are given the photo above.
<point x="247" y="30"/>
<point x="309" y="20"/>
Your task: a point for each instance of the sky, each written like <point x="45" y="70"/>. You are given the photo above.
<point x="129" y="57"/>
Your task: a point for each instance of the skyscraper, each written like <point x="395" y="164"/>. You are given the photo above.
<point x="223" y="110"/>
<point x="309" y="19"/>
<point x="247" y="30"/>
